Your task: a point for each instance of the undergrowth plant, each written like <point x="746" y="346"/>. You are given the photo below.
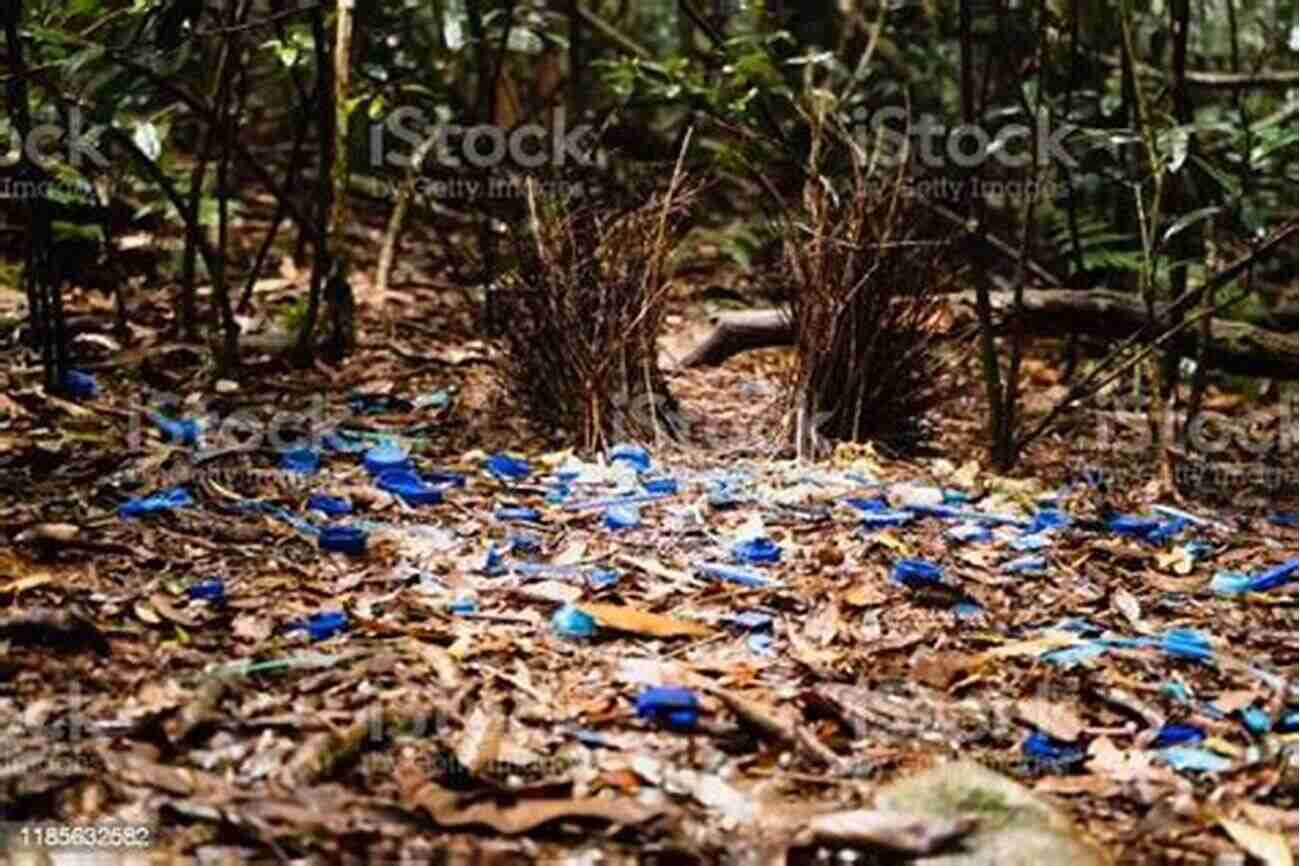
<point x="583" y="310"/>
<point x="864" y="268"/>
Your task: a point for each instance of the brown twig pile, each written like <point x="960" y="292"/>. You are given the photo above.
<point x="864" y="269"/>
<point x="585" y="305"/>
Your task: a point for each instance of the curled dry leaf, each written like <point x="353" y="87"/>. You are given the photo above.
<point x="917" y="835"/>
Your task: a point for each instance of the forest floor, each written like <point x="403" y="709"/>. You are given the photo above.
<point x="205" y="671"/>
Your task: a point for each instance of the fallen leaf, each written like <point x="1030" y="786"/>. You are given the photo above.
<point x="643" y="622"/>
<point x="1050" y="717"/>
<point x="1265" y="845"/>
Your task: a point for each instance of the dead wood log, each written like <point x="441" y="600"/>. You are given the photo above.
<point x="1235" y="347"/>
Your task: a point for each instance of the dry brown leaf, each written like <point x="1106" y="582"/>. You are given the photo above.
<point x="917" y="835"/>
<point x="1270" y="847"/>
<point x="864" y="595"/>
<point x="643" y="622"/>
<point x="1051" y="718"/>
<point x="480" y="744"/>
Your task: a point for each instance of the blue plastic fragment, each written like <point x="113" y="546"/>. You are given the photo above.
<point x="725" y="493"/>
<point x="1187" y="644"/>
<point x="343" y="539"/>
<point x="1048" y="518"/>
<point x="1272" y="578"/>
<point x="633" y="455"/>
<point x="951" y="513"/>
<point x="320" y="626"/>
<point x="603" y="578"/>
<point x="917" y="573"/>
<point x="1289" y="723"/>
<point x="954" y="497"/>
<point x="1071" y="656"/>
<point x="872" y="520"/>
<point x="409" y="486"/>
<point x="212" y="589"/>
<point x="463" y="605"/>
<point x="1177" y="735"/>
<point x="1284" y="518"/>
<point x="492" y="565"/>
<point x="1192" y="758"/>
<point x="183" y="431"/>
<point x="969" y="532"/>
<point x="341" y="443"/>
<point x="303" y="461"/>
<point x="753" y="620"/>
<point x="665" y="486"/>
<point x="523" y="542"/>
<point x="612" y="501"/>
<point x="1168" y="530"/>
<point x="570" y="622"/>
<point x="622" y="517"/>
<point x="1031" y="541"/>
<point x="163" y="500"/>
<point x="1149" y="529"/>
<point x="1031" y="564"/>
<point x="1198" y="549"/>
<point x="670" y="706"/>
<point x="756" y="551"/>
<point x="1044" y="749"/>
<point x="79" y="385"/>
<point x="558" y="493"/>
<point x="735" y="574"/>
<point x="1257" y="721"/>
<point x="869" y="505"/>
<point x="331" y="506"/>
<point x="386" y="457"/>
<point x="519" y="513"/>
<point x="503" y="467"/>
<point x="967" y="609"/>
<point x="1177" y="691"/>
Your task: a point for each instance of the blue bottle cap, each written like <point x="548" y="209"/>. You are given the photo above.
<point x="386" y="457"/>
<point x="343" y="539"/>
<point x="409" y="486"/>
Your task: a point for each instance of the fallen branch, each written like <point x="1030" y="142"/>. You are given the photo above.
<point x="1235" y="347"/>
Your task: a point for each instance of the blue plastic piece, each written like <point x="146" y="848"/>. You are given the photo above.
<point x="1048" y="518"/>
<point x="320" y="626"/>
<point x="1071" y="656"/>
<point x="756" y="551"/>
<point x="1177" y="735"/>
<point x="967" y="609"/>
<point x="603" y="578"/>
<point x="969" y="532"/>
<point x="1289" y="723"/>
<point x="558" y="493"/>
<point x="503" y="467"/>
<point x="753" y="620"/>
<point x="872" y="520"/>
<point x="1198" y="550"/>
<point x="670" y="706"/>
<point x="1192" y="758"/>
<point x="213" y="590"/>
<point x="735" y="574"/>
<point x="868" y="505"/>
<point x="1149" y="529"/>
<point x="386" y="457"/>
<point x="954" y="497"/>
<point x="492" y="565"/>
<point x="303" y="461"/>
<point x="917" y="573"/>
<point x="524" y="514"/>
<point x="613" y="501"/>
<point x="463" y="605"/>
<point x="1030" y="564"/>
<point x="1256" y="721"/>
<point x="633" y="455"/>
<point x="81" y="385"/>
<point x="622" y="517"/>
<point x="409" y="486"/>
<point x="1273" y="577"/>
<point x="331" y="506"/>
<point x="1168" y="530"/>
<point x="343" y="539"/>
<point x="1284" y="518"/>
<point x="660" y="486"/>
<point x="341" y="444"/>
<point x="570" y="622"/>
<point x="184" y="431"/>
<point x="949" y="512"/>
<point x="1187" y="644"/>
<point x="1041" y="748"/>
<point x="163" y="500"/>
<point x="725" y="494"/>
